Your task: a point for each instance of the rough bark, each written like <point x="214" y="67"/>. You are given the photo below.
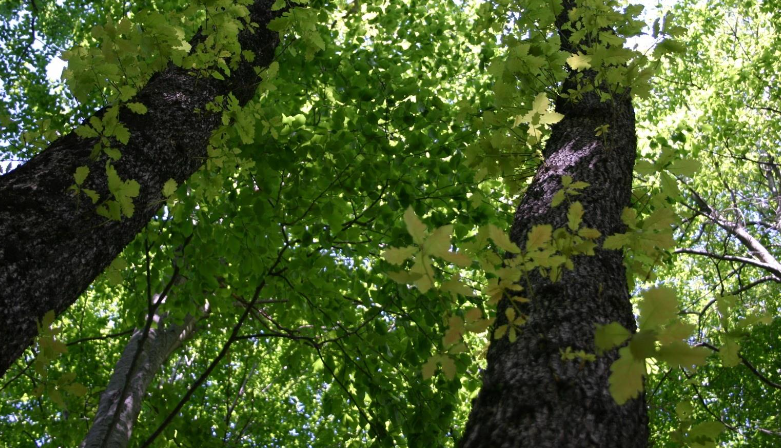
<point x="113" y="428"/>
<point x="530" y="396"/>
<point x="51" y="246"/>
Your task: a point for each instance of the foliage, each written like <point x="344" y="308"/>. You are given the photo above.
<point x="353" y="213"/>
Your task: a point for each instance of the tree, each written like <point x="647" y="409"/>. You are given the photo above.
<point x="54" y="246"/>
<point x="552" y="401"/>
<point x="332" y="267"/>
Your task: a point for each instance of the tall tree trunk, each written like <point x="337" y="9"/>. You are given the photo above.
<point x="52" y="248"/>
<point x="128" y="384"/>
<point x="530" y="396"/>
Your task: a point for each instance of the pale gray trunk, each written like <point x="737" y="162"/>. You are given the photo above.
<point x="112" y="429"/>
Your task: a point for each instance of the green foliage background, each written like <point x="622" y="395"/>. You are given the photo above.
<point x="372" y="108"/>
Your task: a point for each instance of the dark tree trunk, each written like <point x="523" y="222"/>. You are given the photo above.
<point x="52" y="247"/>
<point x="530" y="396"/>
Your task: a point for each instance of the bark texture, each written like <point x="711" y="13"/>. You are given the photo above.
<point x="113" y="428"/>
<point x="52" y="248"/>
<point x="530" y="396"/>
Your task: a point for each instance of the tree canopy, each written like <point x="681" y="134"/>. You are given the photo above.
<point x="332" y="263"/>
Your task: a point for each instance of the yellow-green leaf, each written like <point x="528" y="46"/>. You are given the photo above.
<point x="707" y="430"/>
<point x="423" y="284"/>
<point x="643" y="344"/>
<point x="397" y="255"/>
<point x="616" y="241"/>
<point x="551" y="117"/>
<point x="539" y="236"/>
<point x="589" y="233"/>
<point x="169" y="187"/>
<point x="438" y="243"/>
<point x="415" y="226"/>
<point x="460" y="260"/>
<point x="729" y="353"/>
<point x="404" y="277"/>
<point x="457" y="287"/>
<point x="137" y="108"/>
<point x="685" y="167"/>
<point x="81" y="173"/>
<point x="679" y="353"/>
<point x="76" y="389"/>
<point x="575" y="216"/>
<point x="502" y="240"/>
<point x="626" y="377"/>
<point x="430" y="367"/>
<point x="611" y="335"/>
<point x="558" y="198"/>
<point x="579" y="61"/>
<point x="500" y="331"/>
<point x="659" y="306"/>
<point x="448" y="367"/>
<point x="675" y="332"/>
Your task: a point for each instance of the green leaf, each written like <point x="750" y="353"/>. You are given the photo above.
<point x="448" y="367"/>
<point x="404" y="277"/>
<point x="397" y="256"/>
<point x="669" y="46"/>
<point x="500" y="331"/>
<point x="94" y="197"/>
<point x="501" y="240"/>
<point x="539" y="236"/>
<point x="589" y="233"/>
<point x="137" y="108"/>
<point x="616" y="241"/>
<point x="113" y="153"/>
<point x="81" y="174"/>
<point x="438" y="243"/>
<point x="279" y="24"/>
<point x="123" y="191"/>
<point x="679" y="353"/>
<point x="85" y="132"/>
<point x="611" y="335"/>
<point x="574" y="216"/>
<point x="643" y="344"/>
<point x="685" y="167"/>
<point x="659" y="306"/>
<point x="430" y="367"/>
<point x="415" y="226"/>
<point x="558" y="198"/>
<point x="579" y="61"/>
<point x="122" y="134"/>
<point x="729" y="353"/>
<point x="169" y="187"/>
<point x="708" y="430"/>
<point x="626" y="377"/>
<point x="48" y="319"/>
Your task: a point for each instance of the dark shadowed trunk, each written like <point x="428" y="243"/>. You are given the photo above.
<point x="530" y="396"/>
<point x="51" y="246"/>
